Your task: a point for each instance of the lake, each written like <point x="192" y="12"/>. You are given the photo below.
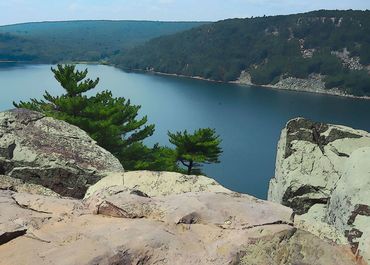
<point x="248" y="119"/>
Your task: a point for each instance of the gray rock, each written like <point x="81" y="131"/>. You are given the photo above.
<point x="294" y="247"/>
<point x="45" y="151"/>
<point x="349" y="208"/>
<point x="322" y="173"/>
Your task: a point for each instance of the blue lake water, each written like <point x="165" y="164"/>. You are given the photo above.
<point x="249" y="119"/>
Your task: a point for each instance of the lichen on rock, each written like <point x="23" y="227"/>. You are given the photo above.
<point x="44" y="151"/>
<point x="322" y="172"/>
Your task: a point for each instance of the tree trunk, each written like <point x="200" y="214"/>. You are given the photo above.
<point x="190" y="167"/>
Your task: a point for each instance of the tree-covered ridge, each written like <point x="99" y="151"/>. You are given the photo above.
<point x="267" y="47"/>
<point x="51" y="42"/>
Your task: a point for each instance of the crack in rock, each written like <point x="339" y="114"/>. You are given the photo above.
<point x="279" y="222"/>
<point x="27" y="207"/>
<point x="9" y="236"/>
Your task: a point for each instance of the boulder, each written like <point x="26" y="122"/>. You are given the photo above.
<point x="44" y="151"/>
<point x="18" y="185"/>
<point x="121" y="227"/>
<point x="349" y="205"/>
<point x="322" y="173"/>
<point x="157" y="183"/>
<point x="295" y="247"/>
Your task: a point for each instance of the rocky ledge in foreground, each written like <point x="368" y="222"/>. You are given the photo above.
<point x="323" y="174"/>
<point x="116" y="226"/>
<point x="52" y="153"/>
<point x="138" y="217"/>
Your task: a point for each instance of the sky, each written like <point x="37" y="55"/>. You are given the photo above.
<point x="19" y="11"/>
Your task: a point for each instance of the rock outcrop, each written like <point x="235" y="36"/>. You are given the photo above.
<point x="323" y="174"/>
<point x="157" y="183"/>
<point x="44" y="151"/>
<point x="115" y="227"/>
<point x="147" y="217"/>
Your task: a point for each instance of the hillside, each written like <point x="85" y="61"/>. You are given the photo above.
<point x="332" y="46"/>
<point x="50" y="42"/>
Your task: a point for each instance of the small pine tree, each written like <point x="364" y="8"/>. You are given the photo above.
<point x="112" y="122"/>
<point x="192" y="150"/>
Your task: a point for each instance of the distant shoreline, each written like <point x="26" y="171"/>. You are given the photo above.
<point x="236" y="82"/>
<point x="8" y="61"/>
<point x="330" y="93"/>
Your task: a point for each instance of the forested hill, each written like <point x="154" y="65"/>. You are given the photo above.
<point x="332" y="43"/>
<point x="51" y="42"/>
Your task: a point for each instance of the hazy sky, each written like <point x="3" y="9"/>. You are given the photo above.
<point x="16" y="11"/>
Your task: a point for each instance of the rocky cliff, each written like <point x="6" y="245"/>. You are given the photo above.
<point x="323" y="174"/>
<point x="53" y="153"/>
<point x="134" y="217"/>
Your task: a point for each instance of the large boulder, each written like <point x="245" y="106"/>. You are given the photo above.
<point x="118" y="227"/>
<point x="349" y="207"/>
<point x="52" y="153"/>
<point x="322" y="173"/>
<point x="157" y="183"/>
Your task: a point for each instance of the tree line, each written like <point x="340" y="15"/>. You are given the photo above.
<point x="267" y="47"/>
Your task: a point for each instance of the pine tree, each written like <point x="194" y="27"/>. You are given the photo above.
<point x="111" y="121"/>
<point x="192" y="150"/>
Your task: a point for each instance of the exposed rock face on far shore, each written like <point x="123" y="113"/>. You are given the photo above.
<point x="52" y="153"/>
<point x="323" y="174"/>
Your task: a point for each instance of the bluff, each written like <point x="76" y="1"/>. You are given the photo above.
<point x="323" y="174"/>
<point x="322" y="51"/>
<point x="132" y="217"/>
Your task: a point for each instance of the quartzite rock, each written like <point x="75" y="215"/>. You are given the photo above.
<point x="116" y="227"/>
<point x="322" y="172"/>
<point x="52" y="153"/>
<point x="157" y="183"/>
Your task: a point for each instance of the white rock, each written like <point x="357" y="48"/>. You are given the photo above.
<point x="323" y="173"/>
<point x="349" y="206"/>
<point x="157" y="183"/>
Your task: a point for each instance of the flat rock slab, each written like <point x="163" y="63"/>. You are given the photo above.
<point x="118" y="227"/>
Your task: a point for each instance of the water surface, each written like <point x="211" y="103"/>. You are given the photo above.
<point x="249" y="119"/>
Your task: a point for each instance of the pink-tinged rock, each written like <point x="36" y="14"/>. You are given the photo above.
<point x="123" y="227"/>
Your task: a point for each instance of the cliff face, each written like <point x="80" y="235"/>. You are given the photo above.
<point x="133" y="217"/>
<point x="323" y="174"/>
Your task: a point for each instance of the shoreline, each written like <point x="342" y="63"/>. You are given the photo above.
<point x="321" y="92"/>
<point x="9" y="61"/>
<point x="236" y="82"/>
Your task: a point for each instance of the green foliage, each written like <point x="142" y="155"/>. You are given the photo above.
<point x="112" y="122"/>
<point x="267" y="47"/>
<point x="355" y="82"/>
<point x="54" y="42"/>
<point x="192" y="150"/>
<point x="140" y="157"/>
